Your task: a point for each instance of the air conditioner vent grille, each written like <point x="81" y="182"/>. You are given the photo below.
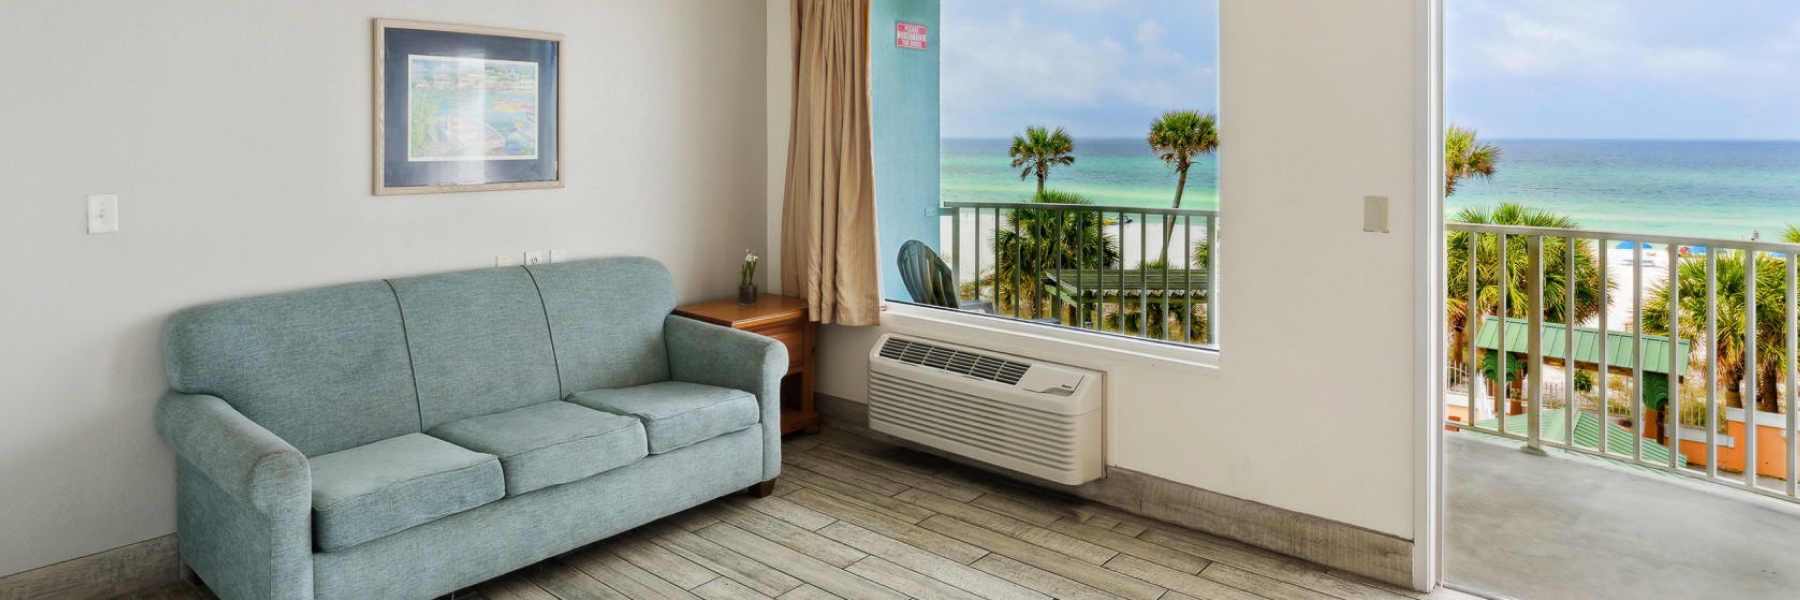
<point x="969" y="364"/>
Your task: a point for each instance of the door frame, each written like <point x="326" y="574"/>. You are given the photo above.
<point x="1428" y="211"/>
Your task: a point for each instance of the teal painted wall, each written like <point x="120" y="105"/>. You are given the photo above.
<point x="904" y="93"/>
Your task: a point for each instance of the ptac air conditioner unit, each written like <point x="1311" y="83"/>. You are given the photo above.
<point x="1032" y="417"/>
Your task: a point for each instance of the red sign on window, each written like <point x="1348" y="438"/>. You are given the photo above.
<point x="908" y="35"/>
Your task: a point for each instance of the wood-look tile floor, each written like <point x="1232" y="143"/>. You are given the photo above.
<point x="856" y="519"/>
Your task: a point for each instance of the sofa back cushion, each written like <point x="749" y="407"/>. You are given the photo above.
<point x="325" y="369"/>
<point x="606" y="317"/>
<point x="479" y="341"/>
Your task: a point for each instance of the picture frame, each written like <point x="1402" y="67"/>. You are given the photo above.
<point x="464" y="108"/>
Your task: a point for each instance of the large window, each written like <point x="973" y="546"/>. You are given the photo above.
<point x="1052" y="162"/>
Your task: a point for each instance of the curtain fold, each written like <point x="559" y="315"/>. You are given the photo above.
<point x="828" y="251"/>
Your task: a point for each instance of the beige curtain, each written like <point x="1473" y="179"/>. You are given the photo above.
<point x="828" y="253"/>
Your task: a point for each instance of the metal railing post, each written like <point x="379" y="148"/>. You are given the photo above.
<point x="1571" y="280"/>
<point x="1534" y="420"/>
<point x="1637" y="351"/>
<point x="1603" y="373"/>
<point x="1712" y="362"/>
<point x="1671" y="412"/>
<point x="1750" y="395"/>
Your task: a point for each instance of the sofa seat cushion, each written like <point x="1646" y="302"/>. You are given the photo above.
<point x="377" y="489"/>
<point x="549" y="443"/>
<point x="676" y="413"/>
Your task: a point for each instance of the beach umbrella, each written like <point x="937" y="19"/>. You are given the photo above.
<point x="1627" y="246"/>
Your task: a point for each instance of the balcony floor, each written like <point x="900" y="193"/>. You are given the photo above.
<point x="1571" y="526"/>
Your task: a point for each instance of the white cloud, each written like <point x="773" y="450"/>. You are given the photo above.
<point x="1020" y="62"/>
<point x="1149" y="33"/>
<point x="1598" y="40"/>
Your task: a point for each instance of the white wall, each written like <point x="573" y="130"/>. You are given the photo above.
<point x="1311" y="407"/>
<point x="237" y="134"/>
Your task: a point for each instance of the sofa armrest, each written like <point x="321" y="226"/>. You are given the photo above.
<point x="714" y="355"/>
<point x="245" y="460"/>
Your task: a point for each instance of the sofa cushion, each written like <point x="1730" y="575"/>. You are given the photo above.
<point x="323" y="369"/>
<point x="606" y="316"/>
<point x="376" y="489"/>
<point x="677" y="413"/>
<point x="549" y="443"/>
<point x="479" y="342"/>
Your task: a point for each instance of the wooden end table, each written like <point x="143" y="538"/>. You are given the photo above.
<point x="782" y="318"/>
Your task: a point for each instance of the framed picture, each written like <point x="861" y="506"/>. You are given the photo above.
<point x="460" y="108"/>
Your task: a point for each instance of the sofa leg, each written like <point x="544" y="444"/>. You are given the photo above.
<point x="762" y="490"/>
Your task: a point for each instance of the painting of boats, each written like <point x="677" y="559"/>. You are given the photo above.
<point x="471" y="109"/>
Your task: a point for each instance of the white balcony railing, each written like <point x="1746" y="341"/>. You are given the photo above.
<point x="1596" y="310"/>
<point x="1133" y="271"/>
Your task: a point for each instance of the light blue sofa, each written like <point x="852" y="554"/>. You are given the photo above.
<point x="411" y="437"/>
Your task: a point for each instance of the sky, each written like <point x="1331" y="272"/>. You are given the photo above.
<point x="1570" y="69"/>
<point x="1100" y="68"/>
<point x="1623" y="69"/>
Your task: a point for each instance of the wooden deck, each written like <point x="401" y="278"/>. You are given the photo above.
<point x="860" y="520"/>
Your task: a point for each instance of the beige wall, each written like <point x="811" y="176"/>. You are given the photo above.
<point x="237" y="134"/>
<point x="1311" y="406"/>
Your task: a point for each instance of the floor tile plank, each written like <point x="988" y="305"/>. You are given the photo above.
<point x="1051" y="540"/>
<point x="787" y="534"/>
<point x="931" y="483"/>
<point x="1177" y="580"/>
<point x="661" y="561"/>
<point x="781" y="508"/>
<point x="719" y="559"/>
<point x="1156" y="553"/>
<point x="905" y="581"/>
<point x="930" y="541"/>
<point x="806" y="568"/>
<point x="514" y="586"/>
<point x="568" y="583"/>
<point x="807" y="592"/>
<point x="1261" y="585"/>
<point x="1267" y="563"/>
<point x="1057" y="586"/>
<point x="622" y="575"/>
<point x="931" y="565"/>
<point x="840" y="472"/>
<point x="1088" y="573"/>
<point x="806" y="479"/>
<point x="727" y="589"/>
<point x="1009" y="506"/>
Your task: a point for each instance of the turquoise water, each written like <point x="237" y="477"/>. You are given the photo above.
<point x="1113" y="172"/>
<point x="1719" y="189"/>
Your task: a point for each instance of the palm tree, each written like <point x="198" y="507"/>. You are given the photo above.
<point x="1038" y="150"/>
<point x="1033" y="242"/>
<point x="1488" y="290"/>
<point x="1465" y="157"/>
<point x="1730" y="276"/>
<point x="1180" y="135"/>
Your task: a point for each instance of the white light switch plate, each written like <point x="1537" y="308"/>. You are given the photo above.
<point x="503" y="260"/>
<point x="557" y="256"/>
<point x="534" y="257"/>
<point x="103" y="213"/>
<point x="1375" y="214"/>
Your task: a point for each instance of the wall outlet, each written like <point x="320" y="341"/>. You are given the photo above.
<point x="534" y="257"/>
<point x="557" y="256"/>
<point x="103" y="213"/>
<point x="503" y="260"/>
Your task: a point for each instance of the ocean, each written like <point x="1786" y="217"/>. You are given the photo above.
<point x="1716" y="189"/>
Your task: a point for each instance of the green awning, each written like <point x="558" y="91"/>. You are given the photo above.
<point x="1587" y="345"/>
<point x="1090" y="281"/>
<point x="1587" y="434"/>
